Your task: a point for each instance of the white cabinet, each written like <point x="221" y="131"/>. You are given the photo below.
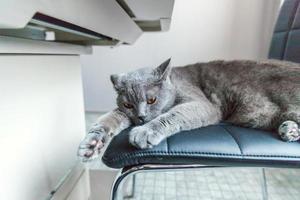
<point x="42" y="123"/>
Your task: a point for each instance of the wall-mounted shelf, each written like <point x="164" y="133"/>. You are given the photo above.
<point x="149" y="15"/>
<point x="96" y="22"/>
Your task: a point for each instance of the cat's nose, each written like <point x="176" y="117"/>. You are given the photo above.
<point x="141" y="118"/>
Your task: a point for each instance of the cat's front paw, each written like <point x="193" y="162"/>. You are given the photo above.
<point x="91" y="145"/>
<point x="289" y="131"/>
<point x="144" y="137"/>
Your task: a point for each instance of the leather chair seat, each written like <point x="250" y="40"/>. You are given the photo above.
<point x="216" y="145"/>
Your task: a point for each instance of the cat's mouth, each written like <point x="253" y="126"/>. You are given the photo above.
<point x="138" y="122"/>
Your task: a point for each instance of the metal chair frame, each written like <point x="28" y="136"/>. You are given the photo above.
<point x="133" y="170"/>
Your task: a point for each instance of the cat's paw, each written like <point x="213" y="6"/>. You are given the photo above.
<point x="289" y="131"/>
<point x="91" y="146"/>
<point x="144" y="137"/>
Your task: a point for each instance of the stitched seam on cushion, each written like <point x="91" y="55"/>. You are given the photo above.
<point x="295" y="15"/>
<point x="291" y="23"/>
<point x="295" y="29"/>
<point x="160" y="153"/>
<point x="167" y="144"/>
<point x="292" y="29"/>
<point x="236" y="140"/>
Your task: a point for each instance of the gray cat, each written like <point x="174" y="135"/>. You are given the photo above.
<point x="163" y="101"/>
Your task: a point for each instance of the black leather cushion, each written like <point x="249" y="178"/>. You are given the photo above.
<point x="220" y="145"/>
<point x="285" y="44"/>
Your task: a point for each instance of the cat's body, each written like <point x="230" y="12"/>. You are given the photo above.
<point x="247" y="93"/>
<point x="165" y="101"/>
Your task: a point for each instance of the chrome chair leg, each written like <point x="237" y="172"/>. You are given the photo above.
<point x="130" y="194"/>
<point x="140" y="168"/>
<point x="124" y="173"/>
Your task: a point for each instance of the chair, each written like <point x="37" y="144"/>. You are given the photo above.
<point x="221" y="145"/>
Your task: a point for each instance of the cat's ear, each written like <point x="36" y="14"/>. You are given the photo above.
<point x="163" y="70"/>
<point x="115" y="79"/>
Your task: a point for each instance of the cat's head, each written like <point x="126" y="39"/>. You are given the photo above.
<point x="145" y="93"/>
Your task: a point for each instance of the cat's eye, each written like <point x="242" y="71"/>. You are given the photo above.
<point x="151" y="100"/>
<point x="128" y="105"/>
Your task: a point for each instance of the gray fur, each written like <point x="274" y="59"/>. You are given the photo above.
<point x="246" y="93"/>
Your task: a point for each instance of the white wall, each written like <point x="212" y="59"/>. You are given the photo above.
<point x="201" y="30"/>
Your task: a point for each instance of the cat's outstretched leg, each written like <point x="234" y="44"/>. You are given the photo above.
<point x="100" y="133"/>
<point x="185" y="116"/>
<point x="289" y="131"/>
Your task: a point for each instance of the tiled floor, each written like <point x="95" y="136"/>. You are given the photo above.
<point x="214" y="184"/>
<point x="218" y="184"/>
<point x="206" y="184"/>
